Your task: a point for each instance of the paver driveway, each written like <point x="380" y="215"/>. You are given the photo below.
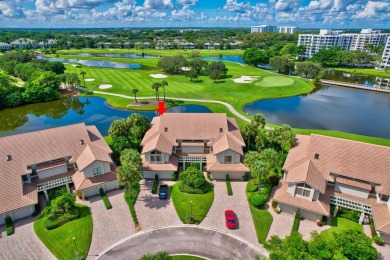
<point x="238" y="203"/>
<point x="23" y="244"/>
<point x="153" y="212"/>
<point x="109" y="226"/>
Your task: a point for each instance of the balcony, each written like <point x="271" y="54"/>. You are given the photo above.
<point x="53" y="181"/>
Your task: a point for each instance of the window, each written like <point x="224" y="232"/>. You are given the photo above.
<point x="25" y="178"/>
<point x="385" y="198"/>
<point x="156" y="156"/>
<point x="97" y="170"/>
<point x="303" y="189"/>
<point x="228" y="159"/>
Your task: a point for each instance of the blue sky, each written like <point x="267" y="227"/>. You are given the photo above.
<point x="194" y="13"/>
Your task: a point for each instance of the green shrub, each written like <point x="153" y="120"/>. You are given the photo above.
<point x="206" y="187"/>
<point x="274" y="203"/>
<point x="131" y="200"/>
<point x="53" y="221"/>
<point x="193" y="177"/>
<point x="209" y="176"/>
<point x="251" y="187"/>
<point x="174" y="177"/>
<point x="10" y="225"/>
<point x="245" y="177"/>
<point x="274" y="179"/>
<point x="56" y="192"/>
<point x="105" y="199"/>
<point x="295" y="226"/>
<point x="229" y="186"/>
<point x="258" y="200"/>
<point x="324" y="220"/>
<point x="377" y="240"/>
<point x="155" y="184"/>
<point x="349" y="214"/>
<point x="227" y="177"/>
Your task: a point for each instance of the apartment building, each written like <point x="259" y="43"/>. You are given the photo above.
<point x="346" y="41"/>
<point x="273" y="28"/>
<point x="386" y="55"/>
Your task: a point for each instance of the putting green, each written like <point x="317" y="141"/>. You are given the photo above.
<point x="275" y="81"/>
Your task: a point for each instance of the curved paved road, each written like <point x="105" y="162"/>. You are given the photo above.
<point x="184" y="239"/>
<point x="230" y="107"/>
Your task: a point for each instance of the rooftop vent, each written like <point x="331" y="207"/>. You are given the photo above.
<point x="8" y="157"/>
<point x="221" y="130"/>
<point x="166" y="129"/>
<point x="316" y="156"/>
<point x="81" y="142"/>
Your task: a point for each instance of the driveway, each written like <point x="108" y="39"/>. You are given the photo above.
<point x="183" y="239"/>
<point x="109" y="226"/>
<point x="238" y="203"/>
<point x="153" y="212"/>
<point x="23" y="244"/>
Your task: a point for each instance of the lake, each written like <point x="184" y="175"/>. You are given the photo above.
<point x="94" y="63"/>
<point x="336" y="75"/>
<point x="117" y="55"/>
<point x="72" y="110"/>
<point x="330" y="108"/>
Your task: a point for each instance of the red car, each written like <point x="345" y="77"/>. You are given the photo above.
<point x="230" y="219"/>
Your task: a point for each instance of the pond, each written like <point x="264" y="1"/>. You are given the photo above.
<point x="117" y="55"/>
<point x="226" y="58"/>
<point x="336" y="75"/>
<point x="94" y="63"/>
<point x="330" y="108"/>
<point x="72" y="110"/>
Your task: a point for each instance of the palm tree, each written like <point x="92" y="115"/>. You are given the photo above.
<point x="163" y="84"/>
<point x="82" y="73"/>
<point x="156" y="86"/>
<point x="259" y="171"/>
<point x="129" y="171"/>
<point x="135" y="91"/>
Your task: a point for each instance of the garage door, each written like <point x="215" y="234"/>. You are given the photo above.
<point x="148" y="174"/>
<point x="111" y="185"/>
<point x="288" y="209"/>
<point x="91" y="191"/>
<point x="165" y="175"/>
<point x="310" y="215"/>
<point x="222" y="175"/>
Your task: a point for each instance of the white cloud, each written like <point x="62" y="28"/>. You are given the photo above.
<point x="186" y="2"/>
<point x="286" y="5"/>
<point x="11" y="10"/>
<point x="237" y="7"/>
<point x="158" y="4"/>
<point x="374" y="10"/>
<point x="183" y="14"/>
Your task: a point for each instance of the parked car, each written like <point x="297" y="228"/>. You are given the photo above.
<point x="230" y="219"/>
<point x="163" y="192"/>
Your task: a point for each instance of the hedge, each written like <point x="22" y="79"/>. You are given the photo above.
<point x="10" y="226"/>
<point x="155" y="184"/>
<point x="295" y="226"/>
<point x="229" y="186"/>
<point x="105" y="199"/>
<point x="206" y="187"/>
<point x="135" y="188"/>
<point x="55" y="222"/>
<point x="349" y="214"/>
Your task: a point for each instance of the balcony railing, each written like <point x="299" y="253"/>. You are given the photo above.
<point x="201" y="159"/>
<point x="351" y="204"/>
<point x="54" y="183"/>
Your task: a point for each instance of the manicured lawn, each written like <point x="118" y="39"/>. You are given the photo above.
<point x="201" y="204"/>
<point x="275" y="81"/>
<point x="186" y="257"/>
<point x="155" y="52"/>
<point x="262" y="220"/>
<point x="340" y="224"/>
<point x="60" y="240"/>
<point x="371" y="72"/>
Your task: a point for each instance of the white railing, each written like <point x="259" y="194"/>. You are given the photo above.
<point x="351" y="204"/>
<point x="201" y="159"/>
<point x="54" y="183"/>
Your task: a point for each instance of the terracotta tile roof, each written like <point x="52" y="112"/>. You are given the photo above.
<point x="305" y="171"/>
<point x="320" y="206"/>
<point x="192" y="126"/>
<point x="51" y="165"/>
<point x="226" y="142"/>
<point x="82" y="183"/>
<point x="352" y="159"/>
<point x="90" y="154"/>
<point x="213" y="165"/>
<point x="354" y="183"/>
<point x="381" y="216"/>
<point x="38" y="147"/>
<point x="170" y="166"/>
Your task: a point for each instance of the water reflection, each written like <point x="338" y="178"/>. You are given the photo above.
<point x="94" y="63"/>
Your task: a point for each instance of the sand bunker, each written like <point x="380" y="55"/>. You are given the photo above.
<point x="246" y="79"/>
<point x="105" y="86"/>
<point x="89" y="79"/>
<point x="158" y="76"/>
<point x="185" y="68"/>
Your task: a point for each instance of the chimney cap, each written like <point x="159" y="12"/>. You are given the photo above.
<point x="8" y="157"/>
<point x="81" y="141"/>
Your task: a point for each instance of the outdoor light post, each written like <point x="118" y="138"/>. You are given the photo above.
<point x="192" y="217"/>
<point x="74" y="241"/>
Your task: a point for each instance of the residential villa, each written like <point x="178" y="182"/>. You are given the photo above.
<point x="322" y="171"/>
<point x="211" y="139"/>
<point x="385" y="56"/>
<point x="39" y="161"/>
<point x="28" y="43"/>
<point x="211" y="46"/>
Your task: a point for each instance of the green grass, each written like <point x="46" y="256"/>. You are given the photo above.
<point x="262" y="220"/>
<point x="108" y="139"/>
<point x="155" y="52"/>
<point x="340" y="224"/>
<point x="295" y="226"/>
<point x="370" y="72"/>
<point x="186" y="257"/>
<point x="275" y="81"/>
<point x="60" y="240"/>
<point x="201" y="204"/>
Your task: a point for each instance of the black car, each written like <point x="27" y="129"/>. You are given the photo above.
<point x="163" y="192"/>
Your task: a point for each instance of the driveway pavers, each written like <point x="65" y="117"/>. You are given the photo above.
<point x="24" y="243"/>
<point x="153" y="212"/>
<point x="109" y="226"/>
<point x="238" y="203"/>
<point x="384" y="251"/>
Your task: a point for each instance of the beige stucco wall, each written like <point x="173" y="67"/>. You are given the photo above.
<point x="287" y="208"/>
<point x="192" y="149"/>
<point x="52" y="172"/>
<point x="17" y="214"/>
<point x="161" y="174"/>
<point x="222" y="175"/>
<point x="310" y="215"/>
<point x="351" y="190"/>
<point x="165" y="157"/>
<point x="291" y="189"/>
<point x="88" y="171"/>
<point x="221" y="156"/>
